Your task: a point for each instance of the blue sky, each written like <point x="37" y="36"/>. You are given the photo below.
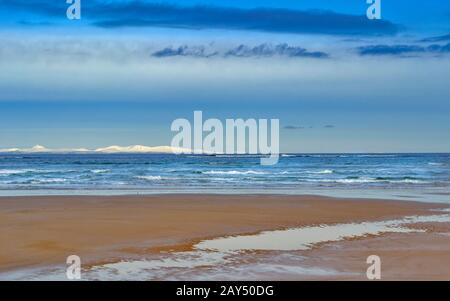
<point x="337" y="81"/>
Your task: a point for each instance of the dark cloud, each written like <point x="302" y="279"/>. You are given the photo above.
<point x="265" y="50"/>
<point x="196" y="51"/>
<point x="109" y="14"/>
<point x="439" y="48"/>
<point x="437" y="39"/>
<point x="389" y="50"/>
<point x="293" y="127"/>
<point x="261" y="19"/>
<point x="38" y="7"/>
<point x="296" y="127"/>
<point x="402" y="50"/>
<point x="31" y="23"/>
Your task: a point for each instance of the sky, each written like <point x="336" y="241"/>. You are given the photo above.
<point x="337" y="81"/>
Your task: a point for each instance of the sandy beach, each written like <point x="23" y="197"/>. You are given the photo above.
<point x="43" y="231"/>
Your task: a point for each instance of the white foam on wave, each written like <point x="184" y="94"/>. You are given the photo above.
<point x="369" y="180"/>
<point x="234" y="172"/>
<point x="325" y="171"/>
<point x="15" y="171"/>
<point x="297" y="172"/>
<point x="7" y="172"/>
<point x="220" y="179"/>
<point x="150" y="178"/>
<point x="376" y="155"/>
<point x="98" y="171"/>
<point x="48" y="181"/>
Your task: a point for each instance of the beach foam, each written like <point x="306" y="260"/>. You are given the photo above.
<point x="234" y="172"/>
<point x="150" y="178"/>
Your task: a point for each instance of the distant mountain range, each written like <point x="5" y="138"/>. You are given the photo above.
<point x="105" y="150"/>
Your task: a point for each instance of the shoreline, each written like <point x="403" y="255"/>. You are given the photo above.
<point x="412" y="195"/>
<point x="44" y="230"/>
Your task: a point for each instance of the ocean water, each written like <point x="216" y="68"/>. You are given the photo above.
<point x="404" y="176"/>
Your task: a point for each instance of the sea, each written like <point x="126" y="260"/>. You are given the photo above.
<point x="419" y="177"/>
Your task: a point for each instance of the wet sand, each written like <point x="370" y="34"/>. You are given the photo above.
<point x="41" y="231"/>
<point x="411" y="256"/>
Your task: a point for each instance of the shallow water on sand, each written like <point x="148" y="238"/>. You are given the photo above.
<point x="266" y="255"/>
